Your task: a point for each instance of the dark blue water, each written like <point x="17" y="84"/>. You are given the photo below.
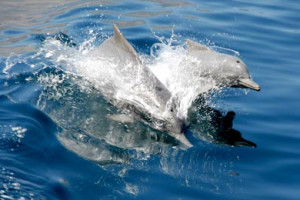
<point x="52" y="124"/>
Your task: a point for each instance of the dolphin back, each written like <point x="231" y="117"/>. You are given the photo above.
<point x="122" y="58"/>
<point x="117" y="49"/>
<point x="124" y="45"/>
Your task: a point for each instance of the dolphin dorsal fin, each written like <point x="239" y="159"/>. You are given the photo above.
<point x="124" y="44"/>
<point x="194" y="46"/>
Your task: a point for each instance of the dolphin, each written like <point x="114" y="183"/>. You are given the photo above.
<point x="147" y="99"/>
<point x="226" y="70"/>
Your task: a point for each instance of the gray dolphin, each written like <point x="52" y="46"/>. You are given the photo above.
<point x="225" y="69"/>
<point x="150" y="101"/>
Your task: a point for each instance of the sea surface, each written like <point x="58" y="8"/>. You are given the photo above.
<point x="56" y="141"/>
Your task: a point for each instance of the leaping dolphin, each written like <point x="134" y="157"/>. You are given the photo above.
<point x="225" y="69"/>
<point x="147" y="99"/>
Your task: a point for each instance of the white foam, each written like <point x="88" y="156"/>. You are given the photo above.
<point x="19" y="131"/>
<point x="132" y="189"/>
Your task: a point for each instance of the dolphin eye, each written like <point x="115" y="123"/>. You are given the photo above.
<point x="237" y="61"/>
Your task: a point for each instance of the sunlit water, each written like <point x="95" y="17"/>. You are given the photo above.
<point x="58" y="143"/>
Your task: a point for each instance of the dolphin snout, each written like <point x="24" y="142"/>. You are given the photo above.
<point x="248" y="83"/>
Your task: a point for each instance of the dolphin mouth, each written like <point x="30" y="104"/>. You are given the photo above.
<point x="248" y="83"/>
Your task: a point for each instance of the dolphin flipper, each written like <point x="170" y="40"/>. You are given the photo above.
<point x="182" y="138"/>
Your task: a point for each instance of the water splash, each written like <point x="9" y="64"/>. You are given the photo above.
<point x="172" y="66"/>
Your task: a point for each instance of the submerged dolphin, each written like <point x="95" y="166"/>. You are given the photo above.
<point x="147" y="99"/>
<point x="224" y="69"/>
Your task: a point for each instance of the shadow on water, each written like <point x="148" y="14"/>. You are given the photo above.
<point x="211" y="125"/>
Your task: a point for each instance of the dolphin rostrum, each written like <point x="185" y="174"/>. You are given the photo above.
<point x="224" y="69"/>
<point x="146" y="98"/>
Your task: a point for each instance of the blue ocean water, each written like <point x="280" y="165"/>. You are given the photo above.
<point x="57" y="144"/>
